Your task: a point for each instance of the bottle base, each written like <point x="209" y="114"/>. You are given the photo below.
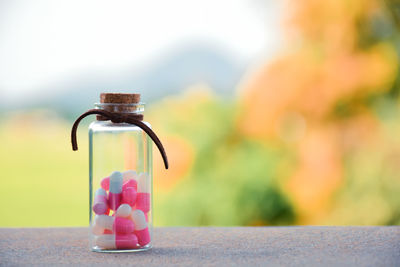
<point x="102" y="250"/>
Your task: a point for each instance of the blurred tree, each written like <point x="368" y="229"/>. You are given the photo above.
<point x="311" y="138"/>
<point x="231" y="181"/>
<point x="341" y="61"/>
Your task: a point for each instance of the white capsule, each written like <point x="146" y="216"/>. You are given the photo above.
<point x="116" y="182"/>
<point x="144" y="183"/>
<point x="124" y="210"/>
<point x="139" y="220"/>
<point x="105" y="241"/>
<point x="129" y="175"/>
<point x="97" y="229"/>
<point x="104" y="221"/>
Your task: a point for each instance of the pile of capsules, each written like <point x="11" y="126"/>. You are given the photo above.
<point x="129" y="199"/>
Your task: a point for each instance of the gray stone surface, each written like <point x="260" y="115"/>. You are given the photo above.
<point x="216" y="246"/>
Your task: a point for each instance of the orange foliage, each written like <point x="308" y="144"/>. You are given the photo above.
<point x="180" y="156"/>
<point x="298" y="82"/>
<point x="323" y="67"/>
<point x="318" y="175"/>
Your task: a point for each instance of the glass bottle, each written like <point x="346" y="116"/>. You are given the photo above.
<point x="120" y="175"/>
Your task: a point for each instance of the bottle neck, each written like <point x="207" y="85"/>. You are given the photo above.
<point x="125" y="109"/>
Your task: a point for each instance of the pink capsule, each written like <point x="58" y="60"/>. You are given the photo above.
<point x="105" y="183"/>
<point x="123" y="226"/>
<point x="141" y="227"/>
<point x="127" y="241"/>
<point x="114" y="200"/>
<point x="129" y="196"/>
<point x="100" y="205"/>
<point x="130" y="183"/>
<point x="143" y="202"/>
<point x="117" y="241"/>
<point x="143" y="236"/>
<point x="114" y="196"/>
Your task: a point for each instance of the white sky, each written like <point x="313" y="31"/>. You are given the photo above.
<point x="41" y="41"/>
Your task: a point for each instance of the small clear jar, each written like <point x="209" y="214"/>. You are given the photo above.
<point x="120" y="182"/>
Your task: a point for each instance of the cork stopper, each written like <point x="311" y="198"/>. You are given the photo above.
<point x="119" y="98"/>
<point x="119" y="102"/>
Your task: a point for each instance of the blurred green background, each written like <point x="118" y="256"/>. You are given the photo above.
<point x="305" y="135"/>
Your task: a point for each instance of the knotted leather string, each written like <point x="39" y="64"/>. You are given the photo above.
<point x="135" y="119"/>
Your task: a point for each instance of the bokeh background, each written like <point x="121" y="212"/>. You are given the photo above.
<point x="272" y="112"/>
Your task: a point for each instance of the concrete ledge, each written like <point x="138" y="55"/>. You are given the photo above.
<point x="216" y="246"/>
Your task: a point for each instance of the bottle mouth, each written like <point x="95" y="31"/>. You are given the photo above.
<point x="121" y="107"/>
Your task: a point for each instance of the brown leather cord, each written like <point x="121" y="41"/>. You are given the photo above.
<point x="130" y="118"/>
